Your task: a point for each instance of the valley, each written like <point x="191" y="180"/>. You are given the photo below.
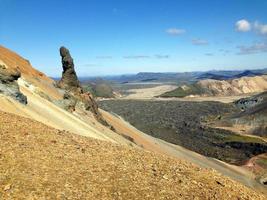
<point x="200" y="129"/>
<point x="183" y="123"/>
<point x="133" y="100"/>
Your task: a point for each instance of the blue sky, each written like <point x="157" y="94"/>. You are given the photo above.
<point x="108" y="37"/>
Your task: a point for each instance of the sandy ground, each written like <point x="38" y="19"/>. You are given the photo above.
<point x="239" y="174"/>
<point x="148" y="93"/>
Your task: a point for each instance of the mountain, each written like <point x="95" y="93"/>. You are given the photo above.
<point x="237" y="86"/>
<point x="179" y="77"/>
<point x="209" y="75"/>
<point x="247" y="73"/>
<point x="212" y="87"/>
<point x="57" y="144"/>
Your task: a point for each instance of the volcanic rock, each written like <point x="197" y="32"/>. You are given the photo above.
<point x="74" y="95"/>
<point x="69" y="78"/>
<point x="9" y="85"/>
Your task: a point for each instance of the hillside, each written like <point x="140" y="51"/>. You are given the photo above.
<point x="41" y="162"/>
<point x="71" y="110"/>
<point x="42" y="83"/>
<point x="235" y="86"/>
<point x="212" y="87"/>
<point x="47" y="103"/>
<point x="99" y="88"/>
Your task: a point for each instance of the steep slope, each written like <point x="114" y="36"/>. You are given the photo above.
<point x="46" y="102"/>
<point x="41" y="162"/>
<point x="42" y="83"/>
<point x="8" y="83"/>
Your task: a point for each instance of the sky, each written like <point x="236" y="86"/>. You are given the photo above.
<point x="110" y="37"/>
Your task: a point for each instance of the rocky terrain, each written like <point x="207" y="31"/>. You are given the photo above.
<point x="39" y="162"/>
<point x="9" y="85"/>
<point x="183" y="123"/>
<point x="65" y="109"/>
<point x="252" y="119"/>
<point x="74" y="95"/>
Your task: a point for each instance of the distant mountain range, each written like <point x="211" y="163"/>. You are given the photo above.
<point x="181" y="77"/>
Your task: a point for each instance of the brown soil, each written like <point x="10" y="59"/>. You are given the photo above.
<point x="39" y="162"/>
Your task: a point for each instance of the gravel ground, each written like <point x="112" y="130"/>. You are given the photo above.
<point x="38" y="162"/>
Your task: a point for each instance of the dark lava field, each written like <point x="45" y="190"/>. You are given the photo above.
<point x="184" y="123"/>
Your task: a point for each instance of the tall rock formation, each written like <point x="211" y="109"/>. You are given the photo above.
<point x="9" y="85"/>
<point x="75" y="96"/>
<point x="69" y="80"/>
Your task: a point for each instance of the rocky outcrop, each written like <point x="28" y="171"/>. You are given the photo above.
<point x="251" y="117"/>
<point x="9" y="85"/>
<point x="249" y="102"/>
<point x="69" y="80"/>
<point x="74" y="95"/>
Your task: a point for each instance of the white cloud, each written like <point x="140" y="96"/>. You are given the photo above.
<point x="261" y="28"/>
<point x="209" y="54"/>
<point x="159" y="56"/>
<point x="199" y="42"/>
<point x="175" y="31"/>
<point x="104" y="57"/>
<point x="136" y="57"/>
<point x="254" y="48"/>
<point x="243" y="25"/>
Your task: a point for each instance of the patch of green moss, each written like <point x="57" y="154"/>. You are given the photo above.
<point x="241" y="138"/>
<point x="181" y="92"/>
<point x="262" y="162"/>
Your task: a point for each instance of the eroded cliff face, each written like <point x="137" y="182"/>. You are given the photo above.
<point x="238" y="86"/>
<point x="74" y="96"/>
<point x="9" y="85"/>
